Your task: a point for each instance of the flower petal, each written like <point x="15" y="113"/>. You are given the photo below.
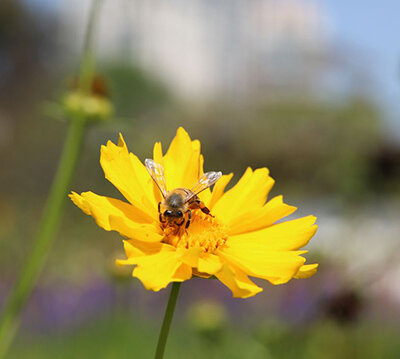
<point x="169" y="264"/>
<point x="157" y="153"/>
<point x="237" y="281"/>
<point x="126" y="172"/>
<point x="249" y="193"/>
<point x="276" y="267"/>
<point x="306" y="271"/>
<point x="184" y="272"/>
<point x="141" y="232"/>
<point x="205" y="195"/>
<point x="209" y="264"/>
<point x="158" y="158"/>
<point x="157" y="271"/>
<point x="290" y="235"/>
<point x="134" y="248"/>
<point x="189" y="256"/>
<point x="182" y="161"/>
<point x="258" y="218"/>
<point x="115" y="215"/>
<point x="218" y="189"/>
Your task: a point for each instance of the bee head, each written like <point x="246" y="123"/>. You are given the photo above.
<point x="169" y="213"/>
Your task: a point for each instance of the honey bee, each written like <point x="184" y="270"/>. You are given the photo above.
<point x="176" y="207"/>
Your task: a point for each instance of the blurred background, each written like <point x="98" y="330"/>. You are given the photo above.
<point x="308" y="88"/>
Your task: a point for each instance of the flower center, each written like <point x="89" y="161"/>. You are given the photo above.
<point x="204" y="232"/>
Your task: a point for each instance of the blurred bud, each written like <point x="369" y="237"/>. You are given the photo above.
<point x="90" y="106"/>
<point x="95" y="106"/>
<point x="209" y="318"/>
<point x="118" y="274"/>
<point x="98" y="86"/>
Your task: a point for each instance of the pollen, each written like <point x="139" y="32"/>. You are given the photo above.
<point x="204" y="232"/>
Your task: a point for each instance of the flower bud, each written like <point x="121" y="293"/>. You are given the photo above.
<point x="94" y="106"/>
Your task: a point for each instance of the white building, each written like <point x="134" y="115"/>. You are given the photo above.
<point x="208" y="48"/>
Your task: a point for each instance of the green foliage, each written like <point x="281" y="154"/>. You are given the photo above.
<point x="312" y="147"/>
<point x="133" y="91"/>
<point x="122" y="337"/>
<point x="325" y="147"/>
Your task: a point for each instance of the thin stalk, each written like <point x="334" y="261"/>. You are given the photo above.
<point x="50" y="220"/>
<point x="87" y="61"/>
<point x="52" y="213"/>
<point x="169" y="313"/>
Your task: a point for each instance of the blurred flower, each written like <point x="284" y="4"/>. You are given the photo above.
<point x="118" y="274"/>
<point x="209" y="318"/>
<point x="344" y="306"/>
<point x="238" y="241"/>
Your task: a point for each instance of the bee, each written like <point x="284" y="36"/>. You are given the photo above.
<point x="176" y="207"/>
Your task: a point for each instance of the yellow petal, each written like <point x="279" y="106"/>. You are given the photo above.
<point x="184" y="272"/>
<point x="258" y="218"/>
<point x="196" y="273"/>
<point x="158" y="158"/>
<point x="158" y="154"/>
<point x="126" y="172"/>
<point x="276" y="267"/>
<point x="169" y="264"/>
<point x="205" y="195"/>
<point x="141" y="232"/>
<point x="218" y="189"/>
<point x="209" y="263"/>
<point x="290" y="235"/>
<point x="134" y="248"/>
<point x="182" y="161"/>
<point x="157" y="271"/>
<point x="306" y="271"/>
<point x="115" y="215"/>
<point x="250" y="192"/>
<point x="189" y="256"/>
<point x="237" y="281"/>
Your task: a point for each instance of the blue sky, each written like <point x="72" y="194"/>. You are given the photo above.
<point x="373" y="26"/>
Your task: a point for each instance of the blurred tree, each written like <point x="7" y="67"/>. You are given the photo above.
<point x="319" y="147"/>
<point x="26" y="48"/>
<point x="133" y="90"/>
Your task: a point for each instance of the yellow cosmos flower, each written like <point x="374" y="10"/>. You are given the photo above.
<point x="239" y="240"/>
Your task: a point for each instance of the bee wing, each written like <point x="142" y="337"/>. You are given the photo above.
<point x="205" y="181"/>
<point x="157" y="174"/>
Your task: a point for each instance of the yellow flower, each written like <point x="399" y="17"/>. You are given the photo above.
<point x="241" y="240"/>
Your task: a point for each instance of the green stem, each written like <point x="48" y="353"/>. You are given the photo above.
<point x="87" y="61"/>
<point x="169" y="313"/>
<point x="51" y="216"/>
<point x="50" y="219"/>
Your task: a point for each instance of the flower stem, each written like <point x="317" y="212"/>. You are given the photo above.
<point x="169" y="313"/>
<point x="51" y="216"/>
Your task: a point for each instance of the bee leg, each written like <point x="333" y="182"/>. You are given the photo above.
<point x="205" y="210"/>
<point x="160" y="216"/>
<point x="189" y="219"/>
